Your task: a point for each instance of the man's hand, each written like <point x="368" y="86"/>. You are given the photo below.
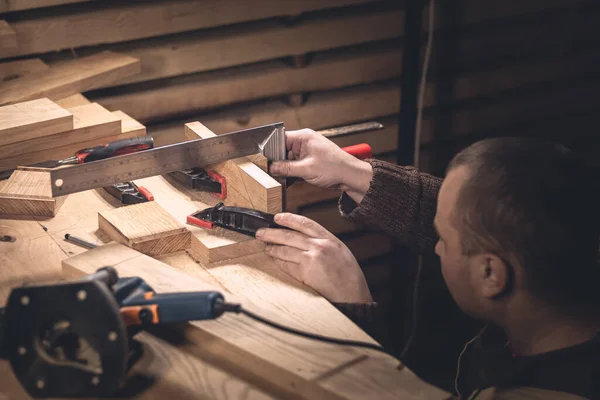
<point x="321" y="162"/>
<point x="317" y="258"/>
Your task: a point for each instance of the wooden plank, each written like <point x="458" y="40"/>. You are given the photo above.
<point x="32" y="119"/>
<point x="266" y="40"/>
<point x="145" y="227"/>
<point x="8" y="40"/>
<point x="214" y="89"/>
<point x="247" y="184"/>
<point x="278" y="364"/>
<point x="129" y="128"/>
<point x="174" y="374"/>
<point x="19" y="5"/>
<point x="322" y="110"/>
<point x="74" y="100"/>
<point x="70" y="77"/>
<point x="90" y="122"/>
<point x="29" y="192"/>
<point x="125" y="22"/>
<point x="14" y="69"/>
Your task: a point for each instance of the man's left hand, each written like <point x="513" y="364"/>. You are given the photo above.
<point x="314" y="256"/>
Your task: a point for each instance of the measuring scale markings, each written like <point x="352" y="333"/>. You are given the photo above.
<point x="161" y="160"/>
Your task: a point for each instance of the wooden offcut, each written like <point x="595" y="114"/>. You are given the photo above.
<point x="91" y="122"/>
<point x="70" y="77"/>
<point x="19" y="5"/>
<point x="145" y="227"/>
<point x="32" y="119"/>
<point x="28" y="192"/>
<point x="129" y="128"/>
<point x="248" y="185"/>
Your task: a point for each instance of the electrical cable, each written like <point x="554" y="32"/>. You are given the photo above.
<point x="417" y="152"/>
<point x="237" y="308"/>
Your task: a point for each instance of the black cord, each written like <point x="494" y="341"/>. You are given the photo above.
<point x="236" y="308"/>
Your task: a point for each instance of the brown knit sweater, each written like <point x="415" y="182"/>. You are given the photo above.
<point x="400" y="202"/>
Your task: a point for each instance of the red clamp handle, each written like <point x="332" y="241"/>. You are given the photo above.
<point x="360" y="151"/>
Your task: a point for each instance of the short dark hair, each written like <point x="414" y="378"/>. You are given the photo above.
<point x="534" y="203"/>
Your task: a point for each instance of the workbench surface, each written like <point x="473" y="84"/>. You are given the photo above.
<point x="229" y="358"/>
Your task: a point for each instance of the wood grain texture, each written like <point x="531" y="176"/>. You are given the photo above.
<point x="145" y="227"/>
<point x="29" y="193"/>
<point x="70" y="77"/>
<point x="247" y="184"/>
<point x="27" y="255"/>
<point x="32" y="119"/>
<point x="8" y="40"/>
<point x="74" y="100"/>
<point x="135" y="21"/>
<point x="321" y="110"/>
<point x="19" y="5"/>
<point x="90" y="122"/>
<point x="14" y="69"/>
<point x="210" y="90"/>
<point x="237" y="344"/>
<point x="129" y="128"/>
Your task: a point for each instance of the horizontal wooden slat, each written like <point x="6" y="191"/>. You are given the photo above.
<point x="322" y="110"/>
<point x="15" y="69"/>
<point x="19" y="5"/>
<point x="136" y="20"/>
<point x="69" y="78"/>
<point x="207" y="91"/>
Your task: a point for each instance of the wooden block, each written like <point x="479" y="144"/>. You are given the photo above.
<point x="145" y="227"/>
<point x="15" y="69"/>
<point x="8" y="40"/>
<point x="70" y="77"/>
<point x="28" y="192"/>
<point x="32" y="119"/>
<point x="129" y="128"/>
<point x="91" y="122"/>
<point x="73" y="101"/>
<point x="247" y="184"/>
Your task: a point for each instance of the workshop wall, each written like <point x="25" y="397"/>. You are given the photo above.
<point x="519" y="67"/>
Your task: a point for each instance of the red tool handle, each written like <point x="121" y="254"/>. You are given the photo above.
<point x="361" y="151"/>
<point x="116" y="148"/>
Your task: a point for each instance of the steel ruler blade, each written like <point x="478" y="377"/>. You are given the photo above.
<point x="268" y="140"/>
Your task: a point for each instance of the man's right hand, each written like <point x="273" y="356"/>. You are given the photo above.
<point x="319" y="161"/>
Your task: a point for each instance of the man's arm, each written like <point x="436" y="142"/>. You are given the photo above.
<point x="399" y="201"/>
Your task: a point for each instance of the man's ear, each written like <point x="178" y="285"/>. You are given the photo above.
<point x="491" y="275"/>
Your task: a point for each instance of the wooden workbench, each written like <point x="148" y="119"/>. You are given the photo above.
<point x="230" y="358"/>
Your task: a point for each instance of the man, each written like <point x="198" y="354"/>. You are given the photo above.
<point x="516" y="226"/>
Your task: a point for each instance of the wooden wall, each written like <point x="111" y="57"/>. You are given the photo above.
<point x="519" y="67"/>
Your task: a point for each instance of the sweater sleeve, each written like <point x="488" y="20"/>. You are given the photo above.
<point x="401" y="201"/>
